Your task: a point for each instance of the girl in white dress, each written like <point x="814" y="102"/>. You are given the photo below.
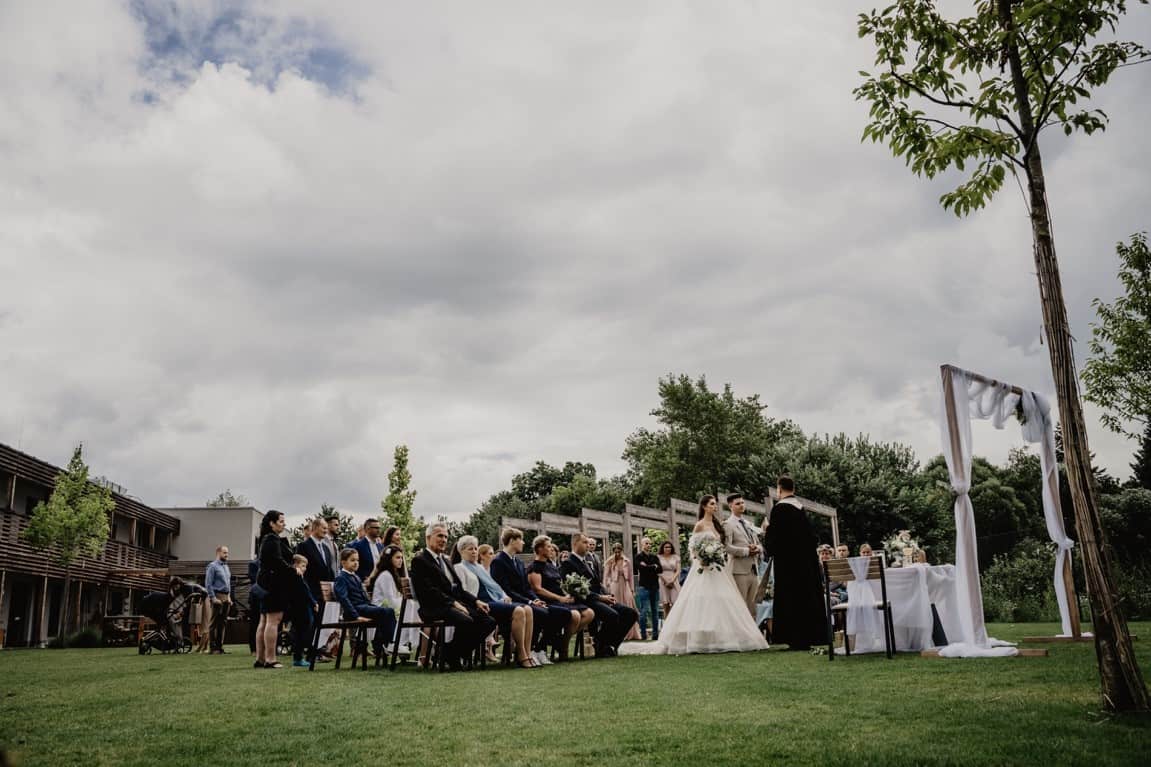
<point x="385" y="588"/>
<point x="709" y="615"/>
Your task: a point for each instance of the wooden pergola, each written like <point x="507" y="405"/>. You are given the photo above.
<point x="634" y="519"/>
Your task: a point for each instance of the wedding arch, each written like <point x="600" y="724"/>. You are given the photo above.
<point x="968" y="395"/>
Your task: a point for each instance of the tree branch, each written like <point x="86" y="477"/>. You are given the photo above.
<point x="945" y="102"/>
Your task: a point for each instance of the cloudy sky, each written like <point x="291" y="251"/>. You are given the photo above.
<point x="256" y="245"/>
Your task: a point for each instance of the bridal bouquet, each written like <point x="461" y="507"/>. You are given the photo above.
<point x="711" y="554"/>
<point x="900" y="548"/>
<point x="576" y="585"/>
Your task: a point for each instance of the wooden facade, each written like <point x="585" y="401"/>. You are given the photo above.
<point x="134" y="560"/>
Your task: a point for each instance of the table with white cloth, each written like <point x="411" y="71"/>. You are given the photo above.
<point x="912" y="590"/>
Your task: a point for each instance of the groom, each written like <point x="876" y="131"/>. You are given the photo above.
<point x="743" y="548"/>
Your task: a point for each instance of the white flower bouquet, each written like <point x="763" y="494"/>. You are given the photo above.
<point x="901" y="549"/>
<point x="710" y="553"/>
<point x="577" y="586"/>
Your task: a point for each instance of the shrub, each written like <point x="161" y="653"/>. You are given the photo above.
<point x="1019" y="586"/>
<point x="86" y="637"/>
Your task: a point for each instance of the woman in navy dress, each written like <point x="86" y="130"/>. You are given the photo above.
<point x="544" y="577"/>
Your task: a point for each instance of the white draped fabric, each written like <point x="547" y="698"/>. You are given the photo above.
<point x="996" y="401"/>
<point x="912" y="591"/>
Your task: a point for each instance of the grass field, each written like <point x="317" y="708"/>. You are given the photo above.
<point x="113" y="707"/>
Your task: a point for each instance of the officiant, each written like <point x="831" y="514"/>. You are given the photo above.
<point x="798" y="611"/>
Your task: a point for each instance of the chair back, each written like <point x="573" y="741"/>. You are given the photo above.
<point x="840" y="570"/>
<point x="326" y="591"/>
<point x="406" y="588"/>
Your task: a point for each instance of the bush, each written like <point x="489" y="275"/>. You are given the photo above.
<point x="1134" y="586"/>
<point x="1019" y="586"/>
<point x="86" y="638"/>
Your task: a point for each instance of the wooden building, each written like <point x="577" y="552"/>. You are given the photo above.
<point x="135" y="559"/>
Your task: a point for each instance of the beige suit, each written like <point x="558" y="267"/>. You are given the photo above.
<point x="744" y="566"/>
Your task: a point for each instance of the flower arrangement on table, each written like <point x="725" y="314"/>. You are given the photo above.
<point x="576" y="586"/>
<point x="710" y="553"/>
<point x="901" y="549"/>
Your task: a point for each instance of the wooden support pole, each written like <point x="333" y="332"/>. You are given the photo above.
<point x="1072" y="599"/>
<point x="43" y="627"/>
<point x="627" y="536"/>
<point x="3" y="583"/>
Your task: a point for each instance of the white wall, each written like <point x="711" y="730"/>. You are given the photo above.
<point x="203" y="529"/>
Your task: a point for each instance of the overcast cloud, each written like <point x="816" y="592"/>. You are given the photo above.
<point x="256" y="245"/>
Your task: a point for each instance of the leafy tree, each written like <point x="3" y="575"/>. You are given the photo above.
<point x="73" y="523"/>
<point x="980" y="90"/>
<point x="1118" y="375"/>
<point x="709" y="441"/>
<point x="542" y="479"/>
<point x="1141" y="465"/>
<point x="397" y="505"/>
<point x="484" y="523"/>
<point x="345" y="532"/>
<point x="226" y="500"/>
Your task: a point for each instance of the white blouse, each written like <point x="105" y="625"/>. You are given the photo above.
<point x="468" y="578"/>
<point x="386" y="590"/>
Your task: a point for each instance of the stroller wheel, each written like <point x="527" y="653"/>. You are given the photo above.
<point x="144" y="649"/>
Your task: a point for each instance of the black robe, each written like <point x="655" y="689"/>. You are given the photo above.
<point x="798" y="616"/>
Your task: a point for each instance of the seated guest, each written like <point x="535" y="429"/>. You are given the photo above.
<point x="442" y="598"/>
<point x="349" y="589"/>
<point x="516" y="618"/>
<point x="384" y="586"/>
<point x="545" y="580"/>
<point x="842" y="552"/>
<point x="615" y="619"/>
<point x="865" y="549"/>
<point x="838" y="590"/>
<point x="301" y="611"/>
<point x="509" y="572"/>
<point x="920" y="557"/>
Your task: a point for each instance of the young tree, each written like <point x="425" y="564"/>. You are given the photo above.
<point x="226" y="500"/>
<point x="1118" y="375"/>
<point x="397" y="505"/>
<point x="73" y="523"/>
<point x="980" y="90"/>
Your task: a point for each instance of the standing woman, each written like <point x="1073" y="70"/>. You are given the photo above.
<point x="617" y="578"/>
<point x="393" y="536"/>
<point x="275" y="578"/>
<point x="668" y="576"/>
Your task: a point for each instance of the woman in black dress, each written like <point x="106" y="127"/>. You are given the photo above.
<point x="276" y="572"/>
<point x="545" y="580"/>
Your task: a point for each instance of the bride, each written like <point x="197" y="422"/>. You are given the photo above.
<point x="709" y="615"/>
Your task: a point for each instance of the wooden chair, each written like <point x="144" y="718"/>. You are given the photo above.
<point x="433" y="631"/>
<point x="840" y="570"/>
<point x="358" y="629"/>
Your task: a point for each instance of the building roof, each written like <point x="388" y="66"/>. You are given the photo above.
<point x="29" y="467"/>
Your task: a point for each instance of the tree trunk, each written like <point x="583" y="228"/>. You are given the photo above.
<point x="1122" y="683"/>
<point x="64" y="599"/>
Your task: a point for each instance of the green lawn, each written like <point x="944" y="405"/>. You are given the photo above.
<point x="113" y="707"/>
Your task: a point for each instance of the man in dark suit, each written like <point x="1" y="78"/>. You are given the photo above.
<point x="370" y="547"/>
<point x="320" y="567"/>
<point x="509" y="572"/>
<point x="442" y="597"/>
<point x="615" y="620"/>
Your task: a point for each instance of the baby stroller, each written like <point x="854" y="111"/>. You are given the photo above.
<point x="169" y="611"/>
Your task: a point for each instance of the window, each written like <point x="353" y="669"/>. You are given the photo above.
<point x="143" y="534"/>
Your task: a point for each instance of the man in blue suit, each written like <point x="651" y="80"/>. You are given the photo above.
<point x="369" y="548"/>
<point x="509" y="572"/>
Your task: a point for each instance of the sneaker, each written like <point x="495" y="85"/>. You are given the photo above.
<point x="542" y="658"/>
<point x="300" y="663"/>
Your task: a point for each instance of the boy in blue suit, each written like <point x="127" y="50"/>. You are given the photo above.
<point x="302" y="611"/>
<point x="349" y="589"/>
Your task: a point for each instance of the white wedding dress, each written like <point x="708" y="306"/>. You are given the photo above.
<point x="708" y="616"/>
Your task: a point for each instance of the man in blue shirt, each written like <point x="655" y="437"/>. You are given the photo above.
<point x="218" y="582"/>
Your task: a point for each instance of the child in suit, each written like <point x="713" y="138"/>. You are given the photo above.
<point x="349" y="589"/>
<point x="302" y="607"/>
